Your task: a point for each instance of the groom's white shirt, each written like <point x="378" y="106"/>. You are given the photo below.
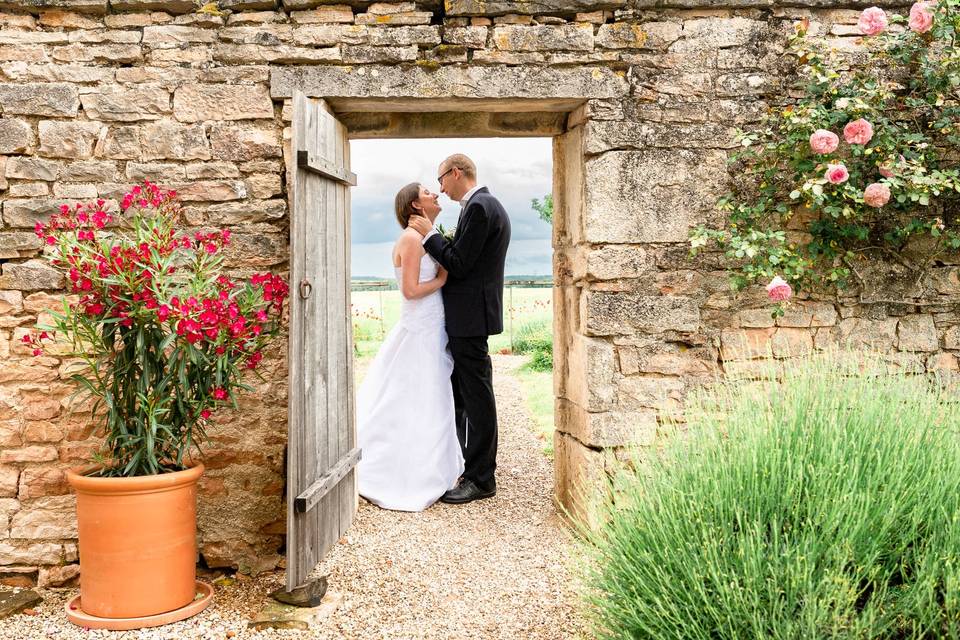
<point x="463" y="203"/>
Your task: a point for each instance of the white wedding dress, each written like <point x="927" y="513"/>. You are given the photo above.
<point x="405" y="419"/>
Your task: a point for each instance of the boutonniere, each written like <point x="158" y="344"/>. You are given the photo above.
<point x="447" y="235"/>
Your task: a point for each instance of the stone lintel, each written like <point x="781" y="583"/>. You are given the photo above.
<point x="530" y="7"/>
<point x="452" y="124"/>
<point x="399" y="82"/>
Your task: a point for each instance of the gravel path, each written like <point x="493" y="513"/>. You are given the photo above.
<point x="497" y="568"/>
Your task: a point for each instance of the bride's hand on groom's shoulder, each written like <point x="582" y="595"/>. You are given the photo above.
<point x="420" y="224"/>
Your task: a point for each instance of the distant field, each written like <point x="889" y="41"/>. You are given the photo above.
<point x="375" y="313"/>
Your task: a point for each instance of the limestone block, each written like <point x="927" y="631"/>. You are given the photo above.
<point x="363" y="54"/>
<point x="127" y="103"/>
<point x="569" y="37"/>
<point x="278" y="54"/>
<point x="622" y="427"/>
<point x="738" y="85"/>
<point x="951" y="338"/>
<point x="270" y="35"/>
<point x="33" y="453"/>
<point x="470" y="37"/>
<point x="404" y="18"/>
<point x="264" y="185"/>
<point x="718" y="32"/>
<point x="242" y="142"/>
<point x="166" y="139"/>
<point x="610" y="313"/>
<point x="862" y="333"/>
<point x="40" y="99"/>
<point x="650" y="35"/>
<point x="28" y="189"/>
<point x="18" y="244"/>
<point x="25" y="373"/>
<point x="59" y="576"/>
<point x="31" y="168"/>
<point x="31" y="275"/>
<point x="589" y="377"/>
<point x="655" y="195"/>
<point x="170" y="6"/>
<point x="607" y="135"/>
<point x="38" y="482"/>
<point x="120" y="143"/>
<point x="74" y="140"/>
<point x="101" y="36"/>
<point x="89" y="171"/>
<point x="552" y="7"/>
<point x="756" y="318"/>
<point x="917" y="333"/>
<point x="59" y="18"/>
<point x="15" y="552"/>
<point x="52" y="517"/>
<point x="581" y="482"/>
<point x="792" y="342"/>
<point x="610" y="262"/>
<point x="236" y="213"/>
<point x="197" y="102"/>
<point x="256" y="250"/>
<point x="11" y="302"/>
<point x="452" y="82"/>
<point x="135" y="20"/>
<point x="33" y="37"/>
<point x="159" y="172"/>
<point x="25" y="214"/>
<point x="745" y="344"/>
<point x="202" y="170"/>
<point x="338" y="13"/>
<point x="22" y="53"/>
<point x="943" y="362"/>
<point x="211" y="191"/>
<point x="42" y="430"/>
<point x="166" y="36"/>
<point x="16" y="136"/>
<point x="104" y="53"/>
<point x="9" y="480"/>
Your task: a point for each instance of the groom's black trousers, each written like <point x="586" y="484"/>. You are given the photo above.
<point x="476" y="409"/>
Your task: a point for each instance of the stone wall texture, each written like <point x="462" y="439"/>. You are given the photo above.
<point x="97" y="94"/>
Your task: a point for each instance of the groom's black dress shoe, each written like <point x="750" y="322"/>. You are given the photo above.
<point x="466" y="491"/>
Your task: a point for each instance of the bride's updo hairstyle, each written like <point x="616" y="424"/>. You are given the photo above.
<point x="403" y="203"/>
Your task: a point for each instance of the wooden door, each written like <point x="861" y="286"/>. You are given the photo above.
<point x="322" y="450"/>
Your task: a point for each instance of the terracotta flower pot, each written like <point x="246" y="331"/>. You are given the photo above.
<point x="138" y="548"/>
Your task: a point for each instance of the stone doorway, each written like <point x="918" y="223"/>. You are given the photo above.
<point x="561" y="118"/>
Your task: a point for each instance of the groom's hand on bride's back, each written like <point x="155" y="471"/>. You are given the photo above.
<point x="441" y="275"/>
<point x="420" y="224"/>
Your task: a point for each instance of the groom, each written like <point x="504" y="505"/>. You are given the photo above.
<point x="473" y="307"/>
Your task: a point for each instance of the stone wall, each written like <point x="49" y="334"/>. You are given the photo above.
<point x="96" y="94"/>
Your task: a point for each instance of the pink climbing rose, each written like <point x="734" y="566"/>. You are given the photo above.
<point x="921" y="17"/>
<point x="873" y="21"/>
<point x="837" y="173"/>
<point x="823" y="141"/>
<point x="858" y="132"/>
<point x="876" y="194"/>
<point x="779" y="290"/>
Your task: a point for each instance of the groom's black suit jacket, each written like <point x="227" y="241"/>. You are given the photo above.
<point x="473" y="294"/>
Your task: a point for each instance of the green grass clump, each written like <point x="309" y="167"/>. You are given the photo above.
<point x="536" y="340"/>
<point x="824" y="507"/>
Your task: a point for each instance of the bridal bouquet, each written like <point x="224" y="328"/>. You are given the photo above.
<point x="166" y="337"/>
<point x="447" y="234"/>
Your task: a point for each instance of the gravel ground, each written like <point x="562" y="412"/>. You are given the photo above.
<point x="497" y="568"/>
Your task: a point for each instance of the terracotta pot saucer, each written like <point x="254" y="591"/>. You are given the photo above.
<point x="76" y="615"/>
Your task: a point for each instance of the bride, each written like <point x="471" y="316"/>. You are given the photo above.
<point x="405" y="416"/>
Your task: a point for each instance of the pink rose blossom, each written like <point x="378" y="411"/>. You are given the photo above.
<point x="823" y="141"/>
<point x="779" y="290"/>
<point x="858" y="132"/>
<point x="876" y="195"/>
<point x="837" y="173"/>
<point x="886" y="171"/>
<point x="921" y="17"/>
<point x="873" y="21"/>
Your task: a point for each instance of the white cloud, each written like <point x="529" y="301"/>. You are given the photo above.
<point x="515" y="169"/>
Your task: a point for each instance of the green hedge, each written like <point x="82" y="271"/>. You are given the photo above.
<point x="825" y="507"/>
<point x="536" y="340"/>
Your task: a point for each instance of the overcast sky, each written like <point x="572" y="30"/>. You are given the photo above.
<point x="515" y="170"/>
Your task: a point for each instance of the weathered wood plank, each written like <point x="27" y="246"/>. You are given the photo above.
<point x="312" y="162"/>
<point x="319" y="489"/>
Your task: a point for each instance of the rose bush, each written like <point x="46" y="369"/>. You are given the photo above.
<point x="809" y="206"/>
<point x="166" y="337"/>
